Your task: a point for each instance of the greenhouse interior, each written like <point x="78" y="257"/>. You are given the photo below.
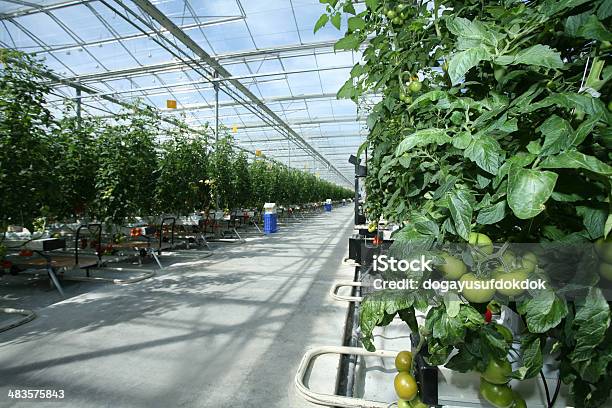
<point x="306" y="203"/>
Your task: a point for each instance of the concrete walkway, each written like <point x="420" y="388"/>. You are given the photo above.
<point x="225" y="331"/>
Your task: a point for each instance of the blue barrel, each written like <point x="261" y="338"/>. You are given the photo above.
<point x="328" y="207"/>
<point x="270" y="223"/>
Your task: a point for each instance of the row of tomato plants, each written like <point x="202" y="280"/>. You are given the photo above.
<point x="110" y="169"/>
<point x="494" y="125"/>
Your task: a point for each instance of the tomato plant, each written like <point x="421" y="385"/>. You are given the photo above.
<point x="125" y="166"/>
<point x="128" y="166"/>
<point x="25" y="142"/>
<point x="507" y="135"/>
<point x="242" y="181"/>
<point x="181" y="186"/>
<point x="75" y="162"/>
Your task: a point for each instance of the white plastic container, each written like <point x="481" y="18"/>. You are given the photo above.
<point x="270" y="208"/>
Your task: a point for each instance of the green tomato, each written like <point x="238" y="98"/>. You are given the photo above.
<point x="396" y="21"/>
<point x="391" y="14"/>
<point x="509" y="258"/>
<point x="529" y="261"/>
<point x="400" y="7"/>
<point x="405" y="386"/>
<point x="403" y="361"/>
<point x="415" y="86"/>
<point x="403" y="404"/>
<point x="604" y="249"/>
<point x="453" y="268"/>
<point x="500" y="396"/>
<point x="499" y="74"/>
<point x="605" y="45"/>
<point x="519" y="402"/>
<point x="516" y="275"/>
<point x="477" y="295"/>
<point x="417" y="403"/>
<point x="610" y="106"/>
<point x="605" y="270"/>
<point x="497" y="371"/>
<point x="483" y="242"/>
<point x="551" y="84"/>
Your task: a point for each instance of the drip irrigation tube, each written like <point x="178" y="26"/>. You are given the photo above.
<point x="28" y="316"/>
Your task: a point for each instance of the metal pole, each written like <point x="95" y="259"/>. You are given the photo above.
<point x="78" y="107"/>
<point x="216" y="86"/>
<point x="357" y="193"/>
<point x="289" y="148"/>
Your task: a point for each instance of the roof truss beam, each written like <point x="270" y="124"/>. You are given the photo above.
<point x="180" y="35"/>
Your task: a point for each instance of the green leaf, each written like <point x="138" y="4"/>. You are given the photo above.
<point x="594" y="220"/>
<point x="534" y="147"/>
<point x="586" y="25"/>
<point x="539" y="55"/>
<point x="557" y="135"/>
<point x="362" y="148"/>
<point x="349" y="8"/>
<point x="452" y="304"/>
<point x="430" y="96"/>
<point x="321" y="22"/>
<point x="552" y="7"/>
<point x="608" y="226"/>
<point x="463" y="361"/>
<point x="347" y="91"/>
<point x="336" y="20"/>
<point x="372" y="4"/>
<point x="405" y="160"/>
<point x="605" y="10"/>
<point x="591" y="322"/>
<point x="471" y="33"/>
<point x="377" y="306"/>
<point x="543" y="312"/>
<point x="461" y="62"/>
<point x="571" y="101"/>
<point x="528" y="190"/>
<point x="492" y="214"/>
<point x="356" y="23"/>
<point x="421" y="138"/>
<point x="462" y="140"/>
<point x="584" y="130"/>
<point x="532" y="359"/>
<point x="485" y="152"/>
<point x="576" y="160"/>
<point x="460" y="206"/>
<point x="349" y="42"/>
<point x="566" y="198"/>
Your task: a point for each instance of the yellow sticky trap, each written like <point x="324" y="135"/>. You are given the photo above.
<point x="235" y="129"/>
<point x="170" y="104"/>
<point x="258" y="153"/>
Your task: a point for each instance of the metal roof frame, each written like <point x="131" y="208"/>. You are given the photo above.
<point x="254" y="97"/>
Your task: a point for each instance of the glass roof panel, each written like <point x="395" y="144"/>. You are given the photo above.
<point x="267" y="45"/>
<point x="43" y="28"/>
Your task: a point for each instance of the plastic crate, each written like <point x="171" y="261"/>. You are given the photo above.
<point x="328" y="207"/>
<point x="270" y="223"/>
